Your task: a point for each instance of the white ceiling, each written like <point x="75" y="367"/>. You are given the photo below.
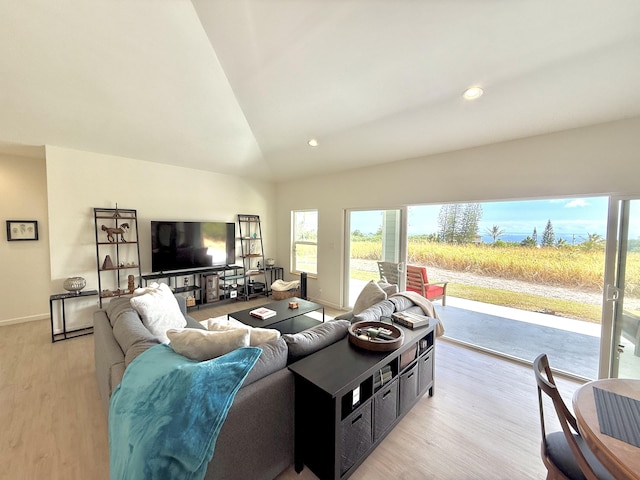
<point x="239" y="86"/>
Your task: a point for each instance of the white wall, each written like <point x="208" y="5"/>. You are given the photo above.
<point x="73" y="183"/>
<point x="595" y="160"/>
<point x="24" y="265"/>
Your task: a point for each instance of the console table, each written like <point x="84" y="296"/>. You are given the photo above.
<point x="65" y="334"/>
<point x="348" y="399"/>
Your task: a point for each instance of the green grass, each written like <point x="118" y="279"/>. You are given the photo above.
<point x="527" y="302"/>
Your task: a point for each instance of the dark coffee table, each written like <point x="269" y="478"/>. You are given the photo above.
<point x="286" y="320"/>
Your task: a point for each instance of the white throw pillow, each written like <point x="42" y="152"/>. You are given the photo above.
<point x="257" y="335"/>
<point x="158" y="309"/>
<point x="201" y="345"/>
<point x="370" y="295"/>
<point x="388" y="288"/>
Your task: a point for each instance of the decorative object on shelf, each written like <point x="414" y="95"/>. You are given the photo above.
<point x="113" y="232"/>
<point x="293" y="305"/>
<point x="131" y="283"/>
<point x="107" y="264"/>
<point x="22" y="230"/>
<point x="74" y="284"/>
<point x="270" y="262"/>
<point x="376" y="336"/>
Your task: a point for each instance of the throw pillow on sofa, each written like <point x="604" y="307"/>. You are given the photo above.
<point x="158" y="309"/>
<point x="201" y="345"/>
<point x="315" y="338"/>
<point x="257" y="335"/>
<point x="371" y="294"/>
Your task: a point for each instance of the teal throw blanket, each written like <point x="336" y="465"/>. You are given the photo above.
<point x="167" y="412"/>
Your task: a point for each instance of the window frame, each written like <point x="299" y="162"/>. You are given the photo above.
<point x="307" y="242"/>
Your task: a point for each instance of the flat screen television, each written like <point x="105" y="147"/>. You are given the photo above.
<point x="189" y="245"/>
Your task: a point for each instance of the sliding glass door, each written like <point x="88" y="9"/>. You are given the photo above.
<point x="372" y="236"/>
<point x="620" y="349"/>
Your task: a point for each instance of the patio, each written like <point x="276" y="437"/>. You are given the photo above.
<point x="573" y="346"/>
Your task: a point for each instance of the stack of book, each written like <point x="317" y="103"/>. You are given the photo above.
<point x="384" y="376"/>
<point x="262" y="313"/>
<point x="410" y="320"/>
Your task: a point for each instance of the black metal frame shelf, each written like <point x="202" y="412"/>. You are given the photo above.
<point x="67" y="334"/>
<point x="252" y="249"/>
<point x="117" y="217"/>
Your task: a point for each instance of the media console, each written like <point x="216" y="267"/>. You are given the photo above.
<point x="203" y="285"/>
<point x="348" y="399"/>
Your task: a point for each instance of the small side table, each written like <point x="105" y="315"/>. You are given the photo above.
<point x="65" y="334"/>
<point x="274" y="273"/>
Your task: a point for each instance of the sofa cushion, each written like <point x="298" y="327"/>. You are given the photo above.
<point x="118" y="306"/>
<point x="401" y="303"/>
<point x="158" y="309"/>
<point x="370" y="295"/>
<point x="315" y="338"/>
<point x="272" y="359"/>
<point x="372" y="314"/>
<point x="132" y="336"/>
<point x="199" y="344"/>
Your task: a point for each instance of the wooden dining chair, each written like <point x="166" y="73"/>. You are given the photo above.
<point x="564" y="453"/>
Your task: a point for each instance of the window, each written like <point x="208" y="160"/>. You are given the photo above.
<point x="304" y="245"/>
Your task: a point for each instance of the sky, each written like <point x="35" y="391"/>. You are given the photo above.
<point x="572" y="218"/>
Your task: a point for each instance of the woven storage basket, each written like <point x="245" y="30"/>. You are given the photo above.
<point x="286" y="294"/>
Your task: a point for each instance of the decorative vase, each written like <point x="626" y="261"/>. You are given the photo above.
<point x="74" y="284"/>
<point x="270" y="262"/>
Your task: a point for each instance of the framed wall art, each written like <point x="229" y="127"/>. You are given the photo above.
<point x="22" y="230"/>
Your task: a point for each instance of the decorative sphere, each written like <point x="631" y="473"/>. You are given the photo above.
<point x="74" y="284"/>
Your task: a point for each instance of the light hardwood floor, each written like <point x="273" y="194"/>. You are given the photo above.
<point x="482" y="422"/>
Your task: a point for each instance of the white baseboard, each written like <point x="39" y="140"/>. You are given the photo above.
<point x="30" y="318"/>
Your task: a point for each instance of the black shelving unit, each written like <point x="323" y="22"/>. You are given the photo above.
<point x="117" y="238"/>
<point x="252" y="253"/>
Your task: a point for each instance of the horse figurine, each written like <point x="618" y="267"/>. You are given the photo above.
<point x="112" y="233"/>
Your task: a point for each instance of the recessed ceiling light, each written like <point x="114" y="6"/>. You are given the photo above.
<point x="472" y="93"/>
<point x="313" y="142"/>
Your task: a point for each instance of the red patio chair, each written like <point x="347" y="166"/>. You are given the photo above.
<point x="417" y="281"/>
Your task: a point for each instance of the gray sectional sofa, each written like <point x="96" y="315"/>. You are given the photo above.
<point x="256" y="440"/>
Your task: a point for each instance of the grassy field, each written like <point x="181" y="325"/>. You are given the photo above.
<point x="570" y="267"/>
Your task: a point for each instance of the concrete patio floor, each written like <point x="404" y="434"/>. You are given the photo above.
<point x="572" y="345"/>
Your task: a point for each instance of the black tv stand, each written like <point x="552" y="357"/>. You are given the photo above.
<point x="202" y="285"/>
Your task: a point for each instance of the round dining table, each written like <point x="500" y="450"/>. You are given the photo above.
<point x="622" y="459"/>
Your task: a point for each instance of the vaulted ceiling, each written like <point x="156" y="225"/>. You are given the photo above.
<point x="240" y="86"/>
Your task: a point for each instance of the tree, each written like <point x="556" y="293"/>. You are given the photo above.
<point x="458" y="223"/>
<point x="448" y="219"/>
<point x="495" y="232"/>
<point x="471" y="216"/>
<point x="534" y="236"/>
<point x="594" y="241"/>
<point x="548" y="237"/>
<point x="528" y="242"/>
